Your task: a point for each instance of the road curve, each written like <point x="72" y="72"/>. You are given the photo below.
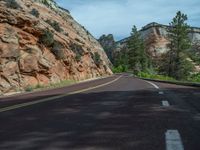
<point x="116" y="113"/>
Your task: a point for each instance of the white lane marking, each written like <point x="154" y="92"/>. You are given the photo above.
<point x="161" y="92"/>
<point x="165" y="103"/>
<point x="173" y="140"/>
<point x="154" y="85"/>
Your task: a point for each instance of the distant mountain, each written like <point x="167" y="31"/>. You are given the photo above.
<point x="40" y="43"/>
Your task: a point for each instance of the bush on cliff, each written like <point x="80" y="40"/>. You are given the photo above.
<point x="35" y="12"/>
<point x="57" y="50"/>
<point x="12" y="4"/>
<point x="55" y="25"/>
<point x="97" y="58"/>
<point x="47" y="38"/>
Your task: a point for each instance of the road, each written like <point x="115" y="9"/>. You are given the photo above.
<point x="116" y="113"/>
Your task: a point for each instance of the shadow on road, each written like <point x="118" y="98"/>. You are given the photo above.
<point x="115" y="120"/>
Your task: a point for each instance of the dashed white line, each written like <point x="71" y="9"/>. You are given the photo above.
<point x="160" y="92"/>
<point x="154" y="85"/>
<point x="165" y="103"/>
<point x="173" y="140"/>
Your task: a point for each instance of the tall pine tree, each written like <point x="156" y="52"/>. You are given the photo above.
<point x="178" y="65"/>
<point x="137" y="57"/>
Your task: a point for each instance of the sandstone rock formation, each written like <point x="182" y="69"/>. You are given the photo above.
<point x="155" y="38"/>
<point x="25" y="60"/>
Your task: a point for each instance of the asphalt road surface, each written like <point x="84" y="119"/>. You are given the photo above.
<point x="116" y="113"/>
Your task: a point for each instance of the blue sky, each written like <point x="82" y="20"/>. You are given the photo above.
<point x="118" y="16"/>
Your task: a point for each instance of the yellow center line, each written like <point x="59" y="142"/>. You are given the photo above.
<point x="54" y="97"/>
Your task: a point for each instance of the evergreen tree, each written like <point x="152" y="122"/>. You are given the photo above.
<point x="137" y="57"/>
<point x="179" y="43"/>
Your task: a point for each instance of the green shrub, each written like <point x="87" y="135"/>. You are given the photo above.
<point x="46" y="2"/>
<point x="194" y="77"/>
<point x="35" y="12"/>
<point x="55" y="25"/>
<point x="120" y="69"/>
<point x="77" y="49"/>
<point x="155" y="76"/>
<point x="47" y="38"/>
<point x="57" y="50"/>
<point x="97" y="58"/>
<point x="78" y="57"/>
<point x="28" y="88"/>
<point x="39" y="86"/>
<point x="12" y="4"/>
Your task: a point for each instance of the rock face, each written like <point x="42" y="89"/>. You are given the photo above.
<point x="109" y="45"/>
<point x="25" y="60"/>
<point x="155" y="38"/>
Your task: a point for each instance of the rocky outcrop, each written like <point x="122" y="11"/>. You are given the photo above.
<point x="109" y="45"/>
<point x="25" y="60"/>
<point x="155" y="38"/>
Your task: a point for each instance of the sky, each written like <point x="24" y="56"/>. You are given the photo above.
<point x="118" y="16"/>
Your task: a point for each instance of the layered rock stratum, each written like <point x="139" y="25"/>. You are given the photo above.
<point x="25" y="60"/>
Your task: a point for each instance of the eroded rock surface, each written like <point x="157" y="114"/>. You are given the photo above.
<point x="24" y="60"/>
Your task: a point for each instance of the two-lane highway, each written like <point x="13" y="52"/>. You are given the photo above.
<point x="115" y="113"/>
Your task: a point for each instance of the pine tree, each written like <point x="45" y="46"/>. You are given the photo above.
<point x="179" y="43"/>
<point x="137" y="57"/>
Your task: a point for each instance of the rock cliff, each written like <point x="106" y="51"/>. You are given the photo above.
<point x="109" y="45"/>
<point x="40" y="43"/>
<point x="155" y="38"/>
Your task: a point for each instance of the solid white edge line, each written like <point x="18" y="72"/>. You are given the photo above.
<point x="165" y="103"/>
<point x="154" y="85"/>
<point x="173" y="140"/>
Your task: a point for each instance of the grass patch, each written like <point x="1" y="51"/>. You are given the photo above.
<point x="155" y="76"/>
<point x="60" y="84"/>
<point x="195" y="78"/>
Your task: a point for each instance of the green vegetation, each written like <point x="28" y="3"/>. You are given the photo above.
<point x="57" y="50"/>
<point x="176" y="65"/>
<point x="78" y="57"/>
<point x="134" y="57"/>
<point x="35" y="12"/>
<point x="119" y="69"/>
<point x="155" y="76"/>
<point x="176" y="61"/>
<point x="62" y="83"/>
<point x="78" y="50"/>
<point x="12" y="4"/>
<point x="55" y="25"/>
<point x="194" y="77"/>
<point x="47" y="2"/>
<point x="137" y="58"/>
<point x="97" y="58"/>
<point x="29" y="88"/>
<point x="47" y="38"/>
<point x="121" y="61"/>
